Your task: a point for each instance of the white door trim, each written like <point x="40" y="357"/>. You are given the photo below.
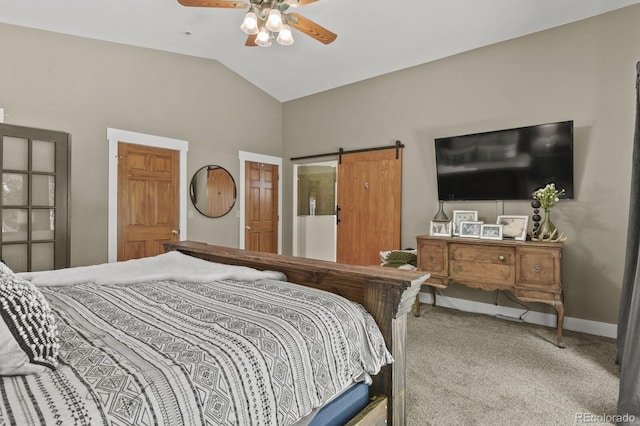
<point x="113" y="137"/>
<point x="259" y="158"/>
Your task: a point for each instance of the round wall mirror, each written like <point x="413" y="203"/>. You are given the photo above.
<point x="213" y="191"/>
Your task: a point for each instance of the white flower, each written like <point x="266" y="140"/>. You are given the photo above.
<point x="548" y="195"/>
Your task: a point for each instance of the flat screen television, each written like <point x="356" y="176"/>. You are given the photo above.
<point x="505" y="164"/>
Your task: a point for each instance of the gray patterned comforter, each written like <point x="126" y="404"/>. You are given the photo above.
<point x="171" y="352"/>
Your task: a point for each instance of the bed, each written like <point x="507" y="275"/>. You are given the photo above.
<point x="213" y="335"/>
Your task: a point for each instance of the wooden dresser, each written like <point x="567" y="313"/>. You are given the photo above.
<point x="529" y="270"/>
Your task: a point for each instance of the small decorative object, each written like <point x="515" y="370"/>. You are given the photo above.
<point x="470" y="229"/>
<point x="490" y="231"/>
<point x="514" y="227"/>
<point x="440" y="229"/>
<point x="463" y="215"/>
<point x="547" y="197"/>
<point x="536" y="217"/>
<point x="441" y="216"/>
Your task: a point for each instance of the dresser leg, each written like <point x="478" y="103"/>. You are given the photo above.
<point x="433" y="293"/>
<point x="416" y="306"/>
<point x="560" y="311"/>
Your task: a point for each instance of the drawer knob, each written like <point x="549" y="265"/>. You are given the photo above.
<point x="459" y="268"/>
<point x="459" y="255"/>
<point x="430" y="258"/>
<point x="536" y="268"/>
<point x="501" y="257"/>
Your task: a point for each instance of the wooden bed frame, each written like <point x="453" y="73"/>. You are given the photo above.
<point x="387" y="293"/>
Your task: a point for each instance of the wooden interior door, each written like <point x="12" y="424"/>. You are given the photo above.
<point x="261" y="207"/>
<point x="148" y="203"/>
<point x="369" y="190"/>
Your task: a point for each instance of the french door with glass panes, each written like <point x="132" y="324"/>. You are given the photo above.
<point x="35" y="201"/>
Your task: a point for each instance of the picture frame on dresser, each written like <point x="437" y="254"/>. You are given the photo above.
<point x="440" y="229"/>
<point x="514" y="227"/>
<point x="463" y="215"/>
<point x="491" y="231"/>
<point x="470" y="229"/>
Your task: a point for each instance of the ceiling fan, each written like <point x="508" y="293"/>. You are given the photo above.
<point x="265" y="18"/>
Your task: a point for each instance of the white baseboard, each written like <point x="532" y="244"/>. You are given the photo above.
<point x="549" y="320"/>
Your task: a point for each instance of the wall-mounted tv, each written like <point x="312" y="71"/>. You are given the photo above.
<point x="505" y="164"/>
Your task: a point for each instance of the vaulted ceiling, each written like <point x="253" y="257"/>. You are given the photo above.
<point x="374" y="37"/>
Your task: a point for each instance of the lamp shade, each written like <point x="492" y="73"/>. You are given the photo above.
<point x="285" y="37"/>
<point x="274" y="21"/>
<point x="263" y="38"/>
<point x="250" y="23"/>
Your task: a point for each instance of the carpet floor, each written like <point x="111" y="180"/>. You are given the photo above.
<point x="473" y="369"/>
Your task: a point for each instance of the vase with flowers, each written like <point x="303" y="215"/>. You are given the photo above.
<point x="547" y="197"/>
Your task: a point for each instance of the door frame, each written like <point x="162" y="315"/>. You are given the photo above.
<point x="245" y="156"/>
<point x="113" y="137"/>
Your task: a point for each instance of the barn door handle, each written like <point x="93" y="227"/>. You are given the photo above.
<point x="248" y="228"/>
<point x="337" y="215"/>
<point x="175" y="231"/>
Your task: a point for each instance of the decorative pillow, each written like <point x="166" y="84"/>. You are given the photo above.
<point x="405" y="259"/>
<point x="28" y="334"/>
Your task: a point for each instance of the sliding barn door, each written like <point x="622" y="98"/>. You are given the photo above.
<point x="369" y="189"/>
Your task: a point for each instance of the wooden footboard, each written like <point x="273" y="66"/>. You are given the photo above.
<point x="387" y="293"/>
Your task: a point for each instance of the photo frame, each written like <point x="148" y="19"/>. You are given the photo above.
<point x="440" y="229"/>
<point x="513" y="227"/>
<point x="470" y="229"/>
<point x="490" y="231"/>
<point x="463" y="215"/>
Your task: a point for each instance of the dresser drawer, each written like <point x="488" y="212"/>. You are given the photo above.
<point x="432" y="257"/>
<point x="539" y="268"/>
<point x="482" y="264"/>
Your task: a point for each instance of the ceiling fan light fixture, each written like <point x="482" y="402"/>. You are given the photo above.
<point x="263" y="38"/>
<point x="250" y="23"/>
<point x="274" y="21"/>
<point x="285" y="37"/>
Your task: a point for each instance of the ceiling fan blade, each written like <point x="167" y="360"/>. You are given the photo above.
<point x="311" y="28"/>
<point x="251" y="40"/>
<point x="298" y="3"/>
<point x="215" y="3"/>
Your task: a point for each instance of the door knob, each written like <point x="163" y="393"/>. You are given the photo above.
<point x="248" y="228"/>
<point x="175" y="231"/>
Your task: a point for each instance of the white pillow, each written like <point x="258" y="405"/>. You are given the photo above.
<point x="28" y="334"/>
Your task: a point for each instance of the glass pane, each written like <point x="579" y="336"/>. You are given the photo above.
<point x="15" y="153"/>
<point x="15" y="256"/>
<point x="44" y="157"/>
<point x="42" y="224"/>
<point x="41" y="256"/>
<point x="14" y="189"/>
<point x="43" y="190"/>
<point x="14" y="224"/>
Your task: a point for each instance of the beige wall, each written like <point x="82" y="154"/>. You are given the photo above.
<point x="583" y="72"/>
<point x="84" y="86"/>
